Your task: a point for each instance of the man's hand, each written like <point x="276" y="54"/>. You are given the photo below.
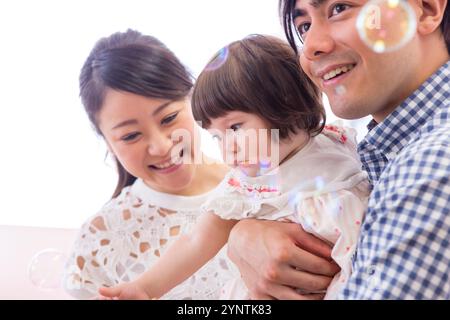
<point x="276" y="258"/>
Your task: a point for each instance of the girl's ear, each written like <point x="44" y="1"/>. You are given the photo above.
<point x="430" y="17"/>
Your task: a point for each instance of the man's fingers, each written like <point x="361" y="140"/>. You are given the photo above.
<point x="310" y="243"/>
<point x="281" y="292"/>
<point x="306" y="281"/>
<point x="305" y="261"/>
<point x="314" y="296"/>
<point x="260" y="296"/>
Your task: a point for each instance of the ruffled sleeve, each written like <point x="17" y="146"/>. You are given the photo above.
<point x="239" y="199"/>
<point x="343" y="135"/>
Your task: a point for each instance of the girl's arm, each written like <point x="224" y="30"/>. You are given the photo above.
<point x="182" y="259"/>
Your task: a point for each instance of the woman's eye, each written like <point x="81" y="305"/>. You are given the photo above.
<point x="338" y="8"/>
<point x="130" y="137"/>
<point x="169" y="119"/>
<point x="236" y="126"/>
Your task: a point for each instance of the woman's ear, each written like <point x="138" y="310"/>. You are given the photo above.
<point x="109" y="152"/>
<point x="430" y="18"/>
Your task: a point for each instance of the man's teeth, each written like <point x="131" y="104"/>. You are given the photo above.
<point x="337" y="71"/>
<point x="176" y="160"/>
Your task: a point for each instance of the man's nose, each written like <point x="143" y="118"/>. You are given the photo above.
<point x="318" y="41"/>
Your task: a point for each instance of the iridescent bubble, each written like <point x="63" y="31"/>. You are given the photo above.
<point x="320" y="184"/>
<point x="340" y="90"/>
<point x="46" y="269"/>
<point x="294" y="200"/>
<point x="386" y="25"/>
<point x="334" y="206"/>
<point x="218" y="60"/>
<point x="264" y="167"/>
<point x="308" y="222"/>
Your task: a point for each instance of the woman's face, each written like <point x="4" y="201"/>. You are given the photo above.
<point x="151" y="138"/>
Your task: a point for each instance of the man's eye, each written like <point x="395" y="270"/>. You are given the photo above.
<point x="236" y="126"/>
<point x="303" y="28"/>
<point x="338" y="8"/>
<point x="130" y="137"/>
<point x="169" y="119"/>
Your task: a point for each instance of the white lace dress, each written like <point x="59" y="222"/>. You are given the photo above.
<point x="129" y="234"/>
<point x="322" y="187"/>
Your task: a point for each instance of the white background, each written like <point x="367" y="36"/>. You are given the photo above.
<point x="52" y="165"/>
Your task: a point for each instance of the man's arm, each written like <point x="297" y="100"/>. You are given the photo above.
<point x="276" y="257"/>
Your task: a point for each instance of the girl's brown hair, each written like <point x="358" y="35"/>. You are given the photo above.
<point x="261" y="75"/>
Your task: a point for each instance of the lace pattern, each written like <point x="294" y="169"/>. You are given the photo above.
<point x="125" y="238"/>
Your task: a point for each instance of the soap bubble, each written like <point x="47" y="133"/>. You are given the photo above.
<point x="46" y="268"/>
<point x="218" y="60"/>
<point x="386" y="25"/>
<point x="340" y="90"/>
<point x="320" y="184"/>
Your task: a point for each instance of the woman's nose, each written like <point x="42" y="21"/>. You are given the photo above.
<point x="159" y="146"/>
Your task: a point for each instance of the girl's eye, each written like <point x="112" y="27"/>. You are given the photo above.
<point x="338" y="8"/>
<point x="169" y="119"/>
<point x="131" y="136"/>
<point x="236" y="126"/>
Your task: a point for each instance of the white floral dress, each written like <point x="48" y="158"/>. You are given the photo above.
<point x="322" y="187"/>
<point x="129" y="234"/>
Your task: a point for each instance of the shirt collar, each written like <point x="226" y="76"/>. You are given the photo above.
<point x="391" y="135"/>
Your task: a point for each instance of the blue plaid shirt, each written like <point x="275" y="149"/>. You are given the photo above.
<point x="404" y="246"/>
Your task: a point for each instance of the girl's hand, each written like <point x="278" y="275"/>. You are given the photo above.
<point x="124" y="291"/>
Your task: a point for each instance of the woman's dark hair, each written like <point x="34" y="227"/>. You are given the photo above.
<point x="261" y="75"/>
<point x="287" y="7"/>
<point x="132" y="62"/>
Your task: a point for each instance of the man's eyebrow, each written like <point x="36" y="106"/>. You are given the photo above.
<point x="134" y="121"/>
<point x="298" y="13"/>
<point x="301" y="13"/>
<point x="317" y="3"/>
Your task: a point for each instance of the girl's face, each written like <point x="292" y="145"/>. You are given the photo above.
<point x="246" y="141"/>
<point x="142" y="134"/>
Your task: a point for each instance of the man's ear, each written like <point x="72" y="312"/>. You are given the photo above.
<point x="430" y="18"/>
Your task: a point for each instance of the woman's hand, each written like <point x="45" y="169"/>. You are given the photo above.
<point x="276" y="258"/>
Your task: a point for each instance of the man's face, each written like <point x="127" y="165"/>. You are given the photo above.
<point x="357" y="80"/>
